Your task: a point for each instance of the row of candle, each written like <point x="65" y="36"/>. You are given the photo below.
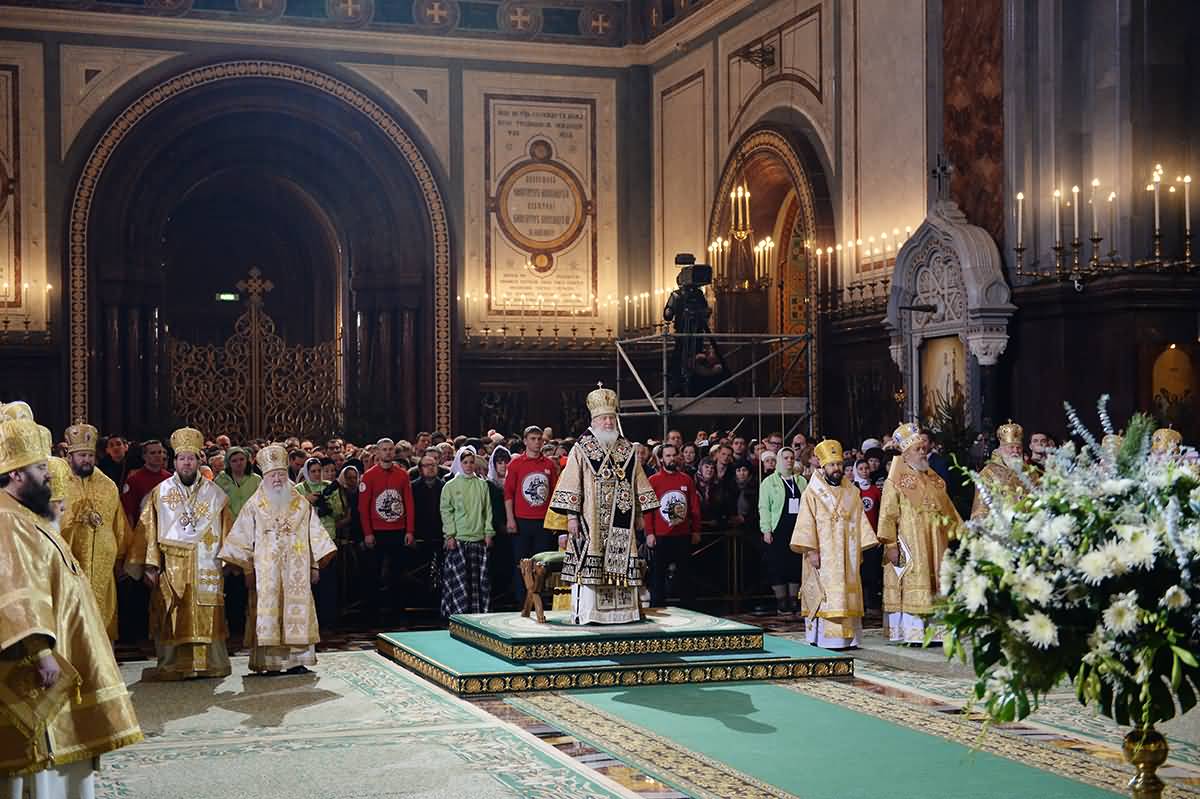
<point x="27" y="309"/>
<point x="638" y="308"/>
<point x="874" y="253"/>
<point x="1155" y="186"/>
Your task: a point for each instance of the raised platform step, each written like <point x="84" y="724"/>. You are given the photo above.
<point x="669" y="631"/>
<point x="466" y="670"/>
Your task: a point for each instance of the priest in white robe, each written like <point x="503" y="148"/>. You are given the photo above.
<point x="279" y="545"/>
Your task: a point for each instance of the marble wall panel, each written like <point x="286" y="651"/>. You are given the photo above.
<point x="23" y="188"/>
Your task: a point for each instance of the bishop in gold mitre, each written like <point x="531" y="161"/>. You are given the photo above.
<point x="1166" y="442"/>
<point x="602" y="491"/>
<point x="182" y="525"/>
<point x="62" y="700"/>
<point x="279" y="545"/>
<point x="1000" y="475"/>
<point x="94" y="524"/>
<point x="832" y="530"/>
<point x="916" y="521"/>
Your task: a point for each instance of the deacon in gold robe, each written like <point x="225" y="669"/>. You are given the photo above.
<point x="279" y="545"/>
<point x="182" y="525"/>
<point x="62" y="700"/>
<point x="832" y="530"/>
<point x="603" y="491"/>
<point x="95" y="524"/>
<point x="916" y="521"/>
<point x="1001" y="473"/>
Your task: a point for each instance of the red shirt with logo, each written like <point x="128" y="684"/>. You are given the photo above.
<point x="871" y="497"/>
<point x="528" y="484"/>
<point x="138" y="484"/>
<point x="385" y="500"/>
<point x="678" y="511"/>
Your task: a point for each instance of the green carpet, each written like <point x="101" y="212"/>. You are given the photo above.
<point x="466" y="669"/>
<point x="770" y="740"/>
<point x="358" y="727"/>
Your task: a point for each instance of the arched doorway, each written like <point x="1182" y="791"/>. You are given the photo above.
<point x="277" y="167"/>
<point x="790" y="206"/>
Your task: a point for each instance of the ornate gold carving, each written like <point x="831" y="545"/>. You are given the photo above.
<point x="255" y="70"/>
<point x="256" y="384"/>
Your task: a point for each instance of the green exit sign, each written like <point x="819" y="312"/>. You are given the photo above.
<point x="227" y="296"/>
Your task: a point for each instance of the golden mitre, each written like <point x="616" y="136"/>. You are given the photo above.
<point x="906" y="435"/>
<point x="828" y="451"/>
<point x="60" y="476"/>
<point x="82" y="438"/>
<point x="16" y="410"/>
<point x="602" y="401"/>
<point x="187" y="439"/>
<point x="1011" y="433"/>
<point x="1165" y="440"/>
<point x="22" y="442"/>
<point x="271" y="458"/>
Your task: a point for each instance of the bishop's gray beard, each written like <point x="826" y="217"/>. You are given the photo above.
<point x="606" y="437"/>
<point x="1014" y="462"/>
<point x="279" y="498"/>
<point x="922" y="466"/>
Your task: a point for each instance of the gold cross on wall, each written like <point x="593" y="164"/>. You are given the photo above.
<point x="600" y="24"/>
<point x="436" y="13"/>
<point x="520" y="18"/>
<point x="350" y="8"/>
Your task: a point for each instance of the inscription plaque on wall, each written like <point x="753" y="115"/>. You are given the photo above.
<point x="541" y="252"/>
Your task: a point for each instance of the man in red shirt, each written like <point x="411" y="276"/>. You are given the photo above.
<point x="531" y="478"/>
<point x="672" y="529"/>
<point x="141" y="482"/>
<point x="385" y="508"/>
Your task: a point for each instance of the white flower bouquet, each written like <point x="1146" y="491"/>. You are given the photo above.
<point x="1085" y="576"/>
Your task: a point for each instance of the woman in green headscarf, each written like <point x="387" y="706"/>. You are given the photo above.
<point x="236" y="480"/>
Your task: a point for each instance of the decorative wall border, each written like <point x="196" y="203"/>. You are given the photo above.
<point x="269" y="70"/>
<point x="568" y="650"/>
<point x="768" y="667"/>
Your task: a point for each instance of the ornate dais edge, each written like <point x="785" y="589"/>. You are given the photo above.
<point x="567" y="650"/>
<point x="567" y="678"/>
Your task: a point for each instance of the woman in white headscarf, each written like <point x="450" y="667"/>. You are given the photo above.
<point x="456" y="467"/>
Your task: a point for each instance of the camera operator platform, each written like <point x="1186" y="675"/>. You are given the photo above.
<point x="696" y="378"/>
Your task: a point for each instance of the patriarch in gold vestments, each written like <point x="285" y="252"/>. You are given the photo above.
<point x="62" y="700"/>
<point x="182" y="525"/>
<point x="603" y="490"/>
<point x="916" y="522"/>
<point x="832" y="530"/>
<point x="279" y="545"/>
<point x="1001" y="474"/>
<point x="95" y="524"/>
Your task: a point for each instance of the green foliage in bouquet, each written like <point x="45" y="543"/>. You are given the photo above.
<point x="1085" y="577"/>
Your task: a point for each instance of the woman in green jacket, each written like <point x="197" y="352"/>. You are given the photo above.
<point x="778" y="506"/>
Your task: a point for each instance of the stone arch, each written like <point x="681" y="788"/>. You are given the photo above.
<point x="260" y="69"/>
<point x="954" y="268"/>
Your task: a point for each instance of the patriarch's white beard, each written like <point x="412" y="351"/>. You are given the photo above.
<point x="279" y="498"/>
<point x="606" y="437"/>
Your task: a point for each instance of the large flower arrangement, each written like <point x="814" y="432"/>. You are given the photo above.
<point x="1085" y="576"/>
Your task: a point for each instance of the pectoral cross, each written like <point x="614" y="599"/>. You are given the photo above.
<point x="600" y="24"/>
<point x="520" y="19"/>
<point x="942" y="174"/>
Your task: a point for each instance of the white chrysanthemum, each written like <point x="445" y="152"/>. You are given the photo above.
<point x="973" y="588"/>
<point x="1062" y="526"/>
<point x="1175" y="598"/>
<point x="997" y="553"/>
<point x="1096" y="566"/>
<point x="1120" y="555"/>
<point x="1039" y="630"/>
<point x="1141" y="550"/>
<point x="1036" y="523"/>
<point x="1115" y="487"/>
<point x="1122" y="615"/>
<point x="1037" y="589"/>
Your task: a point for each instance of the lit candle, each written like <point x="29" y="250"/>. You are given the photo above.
<point x="1187" y="204"/>
<point x="1057" y="217"/>
<point x="829" y="263"/>
<point x="1112" y="220"/>
<point x="1075" y="212"/>
<point x="819" y="273"/>
<point x="1092" y="202"/>
<point x="48" y="290"/>
<point x="1020" y="215"/>
<point x="25" y="299"/>
<point x="626" y="310"/>
<point x="839" y="257"/>
<point x="1157" y="184"/>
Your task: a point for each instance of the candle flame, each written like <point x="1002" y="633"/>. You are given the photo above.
<point x="1074" y="189"/>
<point x="1112" y="195"/>
<point x="1057" y="194"/>
<point x="1158" y="177"/>
<point x="1020" y="196"/>
<point x="1095" y="183"/>
<point x="1187" y="178"/>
